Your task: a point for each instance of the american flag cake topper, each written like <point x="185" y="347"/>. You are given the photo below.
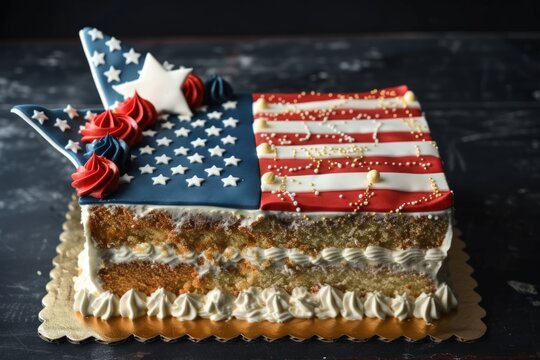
<point x="304" y="152"/>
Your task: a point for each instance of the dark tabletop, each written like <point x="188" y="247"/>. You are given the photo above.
<point x="481" y="95"/>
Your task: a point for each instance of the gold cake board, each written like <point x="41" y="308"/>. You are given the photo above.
<point x="60" y="321"/>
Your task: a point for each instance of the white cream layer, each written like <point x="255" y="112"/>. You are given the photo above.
<point x="271" y="304"/>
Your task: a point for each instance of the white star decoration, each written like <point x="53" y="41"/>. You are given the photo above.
<point x="73" y="146"/>
<point x="229" y="105"/>
<point x="168" y="66"/>
<point x="181" y="151"/>
<point x="95" y="34"/>
<point x="230" y="181"/>
<point x="215" y="115"/>
<point x="159" y="180"/>
<point x="213" y="171"/>
<point x="194" y="181"/>
<point x="182" y="132"/>
<point x="40" y="116"/>
<point x="146" y="150"/>
<point x="231" y="161"/>
<point x="162" y="159"/>
<point x="71" y="111"/>
<point x="149" y="133"/>
<point x="147" y="169"/>
<point x="159" y="86"/>
<point x="184" y="117"/>
<point x="112" y="74"/>
<point x="125" y="179"/>
<point x="230" y="122"/>
<point x="198" y="143"/>
<point x="132" y="57"/>
<point x="198" y="123"/>
<point x="216" y="151"/>
<point x="97" y="58"/>
<point x="179" y="170"/>
<point x="167" y="125"/>
<point x="89" y="115"/>
<point x="62" y="124"/>
<point x="213" y="131"/>
<point x="113" y="44"/>
<point x="163" y="117"/>
<point x="164" y="141"/>
<point x="196" y="158"/>
<point x="228" y="140"/>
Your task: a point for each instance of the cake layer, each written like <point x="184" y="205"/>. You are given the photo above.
<point x="199" y="229"/>
<point x="147" y="277"/>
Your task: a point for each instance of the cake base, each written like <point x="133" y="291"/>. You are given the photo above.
<point x="60" y="321"/>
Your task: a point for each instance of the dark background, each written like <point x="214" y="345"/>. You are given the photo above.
<point x="53" y="19"/>
<point x="474" y="65"/>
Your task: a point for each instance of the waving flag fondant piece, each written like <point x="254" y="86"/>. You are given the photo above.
<point x="118" y="70"/>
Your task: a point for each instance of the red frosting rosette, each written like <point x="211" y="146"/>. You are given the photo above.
<point x="97" y="178"/>
<point x="140" y="109"/>
<point x="120" y="126"/>
<point x="193" y="89"/>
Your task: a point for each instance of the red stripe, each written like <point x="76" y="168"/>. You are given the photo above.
<point x="334" y="139"/>
<point x="342" y="114"/>
<point x="382" y="201"/>
<point x="385" y="164"/>
<point x="314" y="96"/>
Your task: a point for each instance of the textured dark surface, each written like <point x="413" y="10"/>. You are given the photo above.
<point x="482" y="99"/>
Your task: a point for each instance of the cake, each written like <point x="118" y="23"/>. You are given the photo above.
<point x="197" y="202"/>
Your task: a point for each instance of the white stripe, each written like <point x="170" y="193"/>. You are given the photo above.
<point x="396" y="102"/>
<point x="346" y="126"/>
<point x="328" y="151"/>
<point x="358" y="181"/>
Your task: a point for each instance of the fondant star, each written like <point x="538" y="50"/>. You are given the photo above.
<point x="215" y="115"/>
<point x="125" y="179"/>
<point x="167" y="125"/>
<point x="196" y="158"/>
<point x="230" y="181"/>
<point x="146" y="150"/>
<point x="62" y="124"/>
<point x="71" y="111"/>
<point x="164" y="141"/>
<point x="185" y="117"/>
<point x="159" y="86"/>
<point x="147" y="169"/>
<point x="95" y="34"/>
<point x="73" y="146"/>
<point x="198" y="123"/>
<point x="229" y="105"/>
<point x="231" y="161"/>
<point x="230" y="122"/>
<point x="182" y="132"/>
<point x="194" y="181"/>
<point x="213" y="131"/>
<point x="198" y="142"/>
<point x="181" y="151"/>
<point x="179" y="170"/>
<point x="162" y="159"/>
<point x="89" y="115"/>
<point x="132" y="57"/>
<point x="112" y="74"/>
<point x="159" y="180"/>
<point x="167" y="65"/>
<point x="113" y="44"/>
<point x="164" y="117"/>
<point x="97" y="58"/>
<point x="149" y="133"/>
<point x="213" y="171"/>
<point x="216" y="151"/>
<point x="228" y="140"/>
<point x="40" y="116"/>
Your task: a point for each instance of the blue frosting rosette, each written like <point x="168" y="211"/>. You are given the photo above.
<point x="112" y="148"/>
